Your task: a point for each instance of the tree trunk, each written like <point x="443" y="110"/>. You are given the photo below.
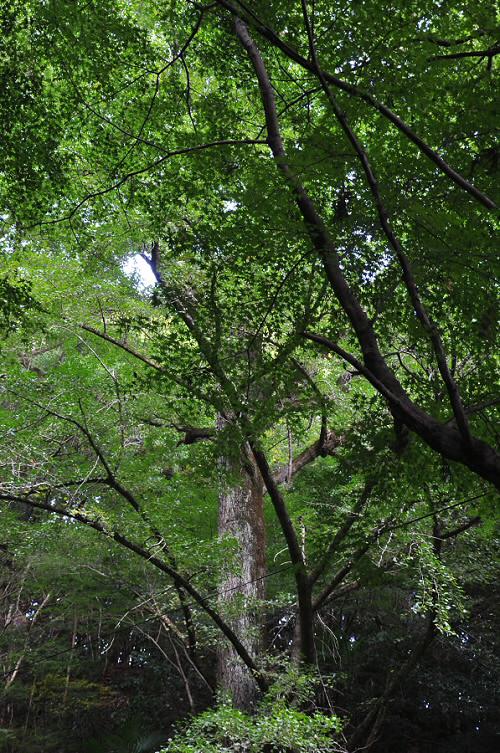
<point x="242" y="586"/>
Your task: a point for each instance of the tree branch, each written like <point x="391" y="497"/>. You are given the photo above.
<point x="148" y="168"/>
<point x="355" y="91"/>
<point x="179" y="579"/>
<point x="320" y="448"/>
<point x="194" y="434"/>
<point x="447" y="440"/>
<point x="342" y="532"/>
<point x="489" y="53"/>
<point x="409" y="280"/>
<point x="123" y="346"/>
<point x="296" y="555"/>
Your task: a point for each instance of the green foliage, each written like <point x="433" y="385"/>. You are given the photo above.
<point x="274" y="728"/>
<point x="16" y="303"/>
<point x="130" y="123"/>
<point x="6" y="737"/>
<point x="438" y="591"/>
<point x="130" y="738"/>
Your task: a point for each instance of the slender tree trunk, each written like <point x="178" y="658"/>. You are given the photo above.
<point x="243" y="582"/>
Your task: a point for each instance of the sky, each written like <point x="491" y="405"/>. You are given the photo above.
<point x="136" y="267"/>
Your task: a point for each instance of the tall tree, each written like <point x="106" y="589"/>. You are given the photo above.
<point x="313" y="194"/>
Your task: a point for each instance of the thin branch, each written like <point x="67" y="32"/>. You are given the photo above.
<point x="342" y="532"/>
<point x="123" y="346"/>
<point x="181" y="580"/>
<point x="319" y="395"/>
<point x="147" y="168"/>
<point x="387" y="527"/>
<point x="145" y="359"/>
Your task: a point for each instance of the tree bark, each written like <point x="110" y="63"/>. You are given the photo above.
<point x="241" y="517"/>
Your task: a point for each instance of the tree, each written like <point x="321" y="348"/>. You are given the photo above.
<point x="314" y="296"/>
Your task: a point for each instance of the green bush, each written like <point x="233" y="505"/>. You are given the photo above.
<point x="277" y="727"/>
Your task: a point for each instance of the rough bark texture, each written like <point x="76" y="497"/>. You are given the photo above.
<point x="243" y="583"/>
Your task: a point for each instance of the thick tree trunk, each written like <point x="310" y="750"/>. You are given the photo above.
<point x="243" y="582"/>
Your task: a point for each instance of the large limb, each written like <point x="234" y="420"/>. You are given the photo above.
<point x="445" y="439"/>
<point x="242" y="11"/>
<point x="323" y="446"/>
<point x="408" y="278"/>
<point x="306" y="617"/>
<point x="326" y="444"/>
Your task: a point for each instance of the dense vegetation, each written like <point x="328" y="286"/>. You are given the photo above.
<point x="249" y="455"/>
